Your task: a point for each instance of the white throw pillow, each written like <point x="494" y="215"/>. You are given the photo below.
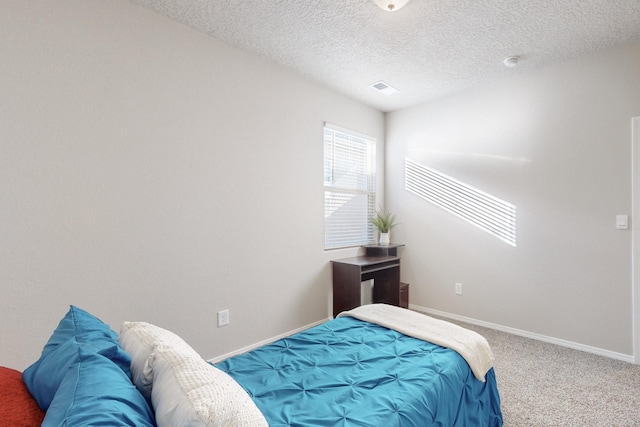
<point x="140" y="340"/>
<point x="189" y="392"/>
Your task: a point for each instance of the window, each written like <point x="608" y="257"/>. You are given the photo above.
<point x="349" y="188"/>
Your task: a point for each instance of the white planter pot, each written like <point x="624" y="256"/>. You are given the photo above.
<point x="385" y="239"/>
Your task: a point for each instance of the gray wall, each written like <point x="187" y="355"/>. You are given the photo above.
<point x="149" y="172"/>
<point x="557" y="144"/>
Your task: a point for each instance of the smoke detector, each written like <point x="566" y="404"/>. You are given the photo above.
<point x="511" y="61"/>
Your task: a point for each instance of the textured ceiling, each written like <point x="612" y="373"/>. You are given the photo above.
<point x="428" y="49"/>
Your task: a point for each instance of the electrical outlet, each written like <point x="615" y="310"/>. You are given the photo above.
<point x="223" y="318"/>
<point x="458" y="288"/>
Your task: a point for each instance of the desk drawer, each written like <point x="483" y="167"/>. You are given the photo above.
<point x="380" y="266"/>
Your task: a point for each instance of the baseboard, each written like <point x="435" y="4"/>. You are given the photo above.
<point x="264" y="342"/>
<point x="526" y="334"/>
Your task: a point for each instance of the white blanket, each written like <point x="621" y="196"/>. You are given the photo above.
<point x="472" y="346"/>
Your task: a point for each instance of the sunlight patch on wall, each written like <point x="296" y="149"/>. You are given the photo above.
<point x="490" y="214"/>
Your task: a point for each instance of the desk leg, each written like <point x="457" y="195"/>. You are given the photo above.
<point x="386" y="287"/>
<point x="346" y="288"/>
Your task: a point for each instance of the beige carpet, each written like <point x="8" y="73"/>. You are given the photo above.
<point x="544" y="385"/>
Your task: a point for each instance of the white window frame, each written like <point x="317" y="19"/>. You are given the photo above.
<point x="349" y="187"/>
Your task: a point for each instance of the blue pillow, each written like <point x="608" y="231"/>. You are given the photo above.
<point x="96" y="392"/>
<point x="78" y="329"/>
<point x="75" y="322"/>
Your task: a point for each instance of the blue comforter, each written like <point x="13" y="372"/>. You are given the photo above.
<point x="348" y="372"/>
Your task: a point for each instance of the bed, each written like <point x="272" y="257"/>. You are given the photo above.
<point x="355" y="370"/>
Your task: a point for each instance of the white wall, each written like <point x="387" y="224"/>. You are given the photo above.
<point x="148" y="172"/>
<point x="557" y="144"/>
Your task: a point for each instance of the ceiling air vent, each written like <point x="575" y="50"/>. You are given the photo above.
<point x="381" y="86"/>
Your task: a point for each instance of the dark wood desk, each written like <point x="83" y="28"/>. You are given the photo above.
<point x="349" y="273"/>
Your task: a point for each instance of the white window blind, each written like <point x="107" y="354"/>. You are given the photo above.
<point x="349" y="188"/>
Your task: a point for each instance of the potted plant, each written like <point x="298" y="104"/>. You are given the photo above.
<point x="384" y="221"/>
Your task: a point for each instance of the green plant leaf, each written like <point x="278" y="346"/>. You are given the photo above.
<point x="384" y="220"/>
